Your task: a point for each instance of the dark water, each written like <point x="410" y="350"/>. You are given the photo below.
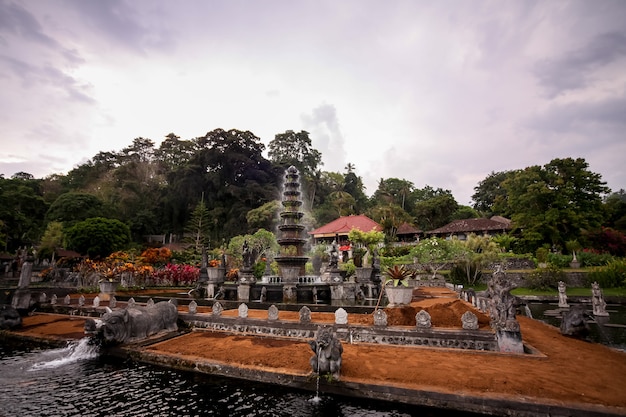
<point x="610" y="331"/>
<point x="77" y="382"/>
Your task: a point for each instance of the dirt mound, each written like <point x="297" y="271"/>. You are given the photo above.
<point x="441" y="315"/>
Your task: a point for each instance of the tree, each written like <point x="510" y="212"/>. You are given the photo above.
<point x="436" y="211"/>
<point x="291" y="148"/>
<point x="22" y="209"/>
<point x="264" y="217"/>
<point x="51" y="239"/>
<point x="369" y="240"/>
<point x="72" y="207"/>
<point x="480" y="251"/>
<point x="353" y="185"/>
<point x="554" y="203"/>
<point x="390" y="217"/>
<point x="489" y="192"/>
<point x="435" y="252"/>
<point x="98" y="237"/>
<point x="395" y="191"/>
<point x="199" y="226"/>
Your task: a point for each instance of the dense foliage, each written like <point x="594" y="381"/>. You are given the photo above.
<point x="214" y="187"/>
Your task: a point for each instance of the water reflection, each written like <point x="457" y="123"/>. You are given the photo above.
<point x="107" y="387"/>
<point x="610" y="331"/>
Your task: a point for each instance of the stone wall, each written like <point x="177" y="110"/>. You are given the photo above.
<point x="444" y="338"/>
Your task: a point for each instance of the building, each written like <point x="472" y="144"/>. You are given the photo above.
<point x="341" y="227"/>
<point x="462" y="228"/>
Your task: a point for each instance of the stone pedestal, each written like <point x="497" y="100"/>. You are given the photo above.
<point x="21" y="299"/>
<point x="510" y="341"/>
<point x="215" y="275"/>
<point x="371" y="291"/>
<point x="344" y="291"/>
<point x="243" y="292"/>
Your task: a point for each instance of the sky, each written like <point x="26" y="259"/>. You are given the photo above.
<point x="439" y="93"/>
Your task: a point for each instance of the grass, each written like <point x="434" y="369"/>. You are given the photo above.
<point x="571" y="291"/>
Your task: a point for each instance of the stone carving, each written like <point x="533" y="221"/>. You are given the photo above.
<point x="422" y="319"/>
<point x="597" y="301"/>
<point x="135" y="323"/>
<point x="81" y="300"/>
<point x="562" y="295"/>
<point x="193" y="307"/>
<point x="380" y="318"/>
<point x="272" y="313"/>
<point x="150" y="303"/>
<point x="96" y="301"/>
<point x="501" y="303"/>
<point x="305" y="315"/>
<point x="53" y="299"/>
<point x="502" y="312"/>
<point x="67" y="300"/>
<point x="112" y="302"/>
<point x="243" y="310"/>
<point x="131" y="303"/>
<point x="334" y="256"/>
<point x="263" y="296"/>
<point x="217" y="309"/>
<point x="573" y="322"/>
<point x="328" y="351"/>
<point x="469" y="320"/>
<point x="9" y="318"/>
<point x="341" y="316"/>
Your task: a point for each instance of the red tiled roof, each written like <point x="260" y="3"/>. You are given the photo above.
<point x="407" y="229"/>
<point x="471" y="225"/>
<point x="343" y="225"/>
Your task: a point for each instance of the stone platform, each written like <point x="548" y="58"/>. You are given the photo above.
<point x="569" y="378"/>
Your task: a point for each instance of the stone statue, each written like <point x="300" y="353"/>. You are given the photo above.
<point x="597" y="300"/>
<point x="248" y="256"/>
<point x="9" y="318"/>
<point x="502" y="303"/>
<point x="328" y="351"/>
<point x="573" y="322"/>
<point x="134" y="323"/>
<point x="562" y="295"/>
<point x="334" y="256"/>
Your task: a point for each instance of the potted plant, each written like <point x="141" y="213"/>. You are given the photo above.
<point x="396" y="285"/>
<point x="214" y="271"/>
<point x="365" y="243"/>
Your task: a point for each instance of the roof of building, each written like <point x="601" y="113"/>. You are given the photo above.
<point x="407" y="229"/>
<point x="471" y="225"/>
<point x="344" y="224"/>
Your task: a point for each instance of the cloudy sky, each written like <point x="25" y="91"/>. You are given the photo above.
<point x="435" y="92"/>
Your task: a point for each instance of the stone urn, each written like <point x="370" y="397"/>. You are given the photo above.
<point x="399" y="295"/>
<point x="216" y="274"/>
<point x="364" y="274"/>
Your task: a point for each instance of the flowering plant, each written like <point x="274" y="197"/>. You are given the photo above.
<point x="214" y="263"/>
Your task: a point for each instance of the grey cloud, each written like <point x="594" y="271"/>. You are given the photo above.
<point x="122" y="24"/>
<point x="574" y="70"/>
<point x="31" y="75"/>
<point x="326" y="136"/>
<point x="17" y="20"/>
<point x="609" y="112"/>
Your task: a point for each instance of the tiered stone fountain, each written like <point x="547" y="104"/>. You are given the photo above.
<point x="291" y="260"/>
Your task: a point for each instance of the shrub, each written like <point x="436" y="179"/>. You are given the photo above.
<point x="610" y="276"/>
<point x="559" y="260"/>
<point x="593" y="258"/>
<point x="396" y="251"/>
<point x="545" y="278"/>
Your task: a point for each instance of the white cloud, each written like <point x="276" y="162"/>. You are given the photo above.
<point x="435" y="93"/>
